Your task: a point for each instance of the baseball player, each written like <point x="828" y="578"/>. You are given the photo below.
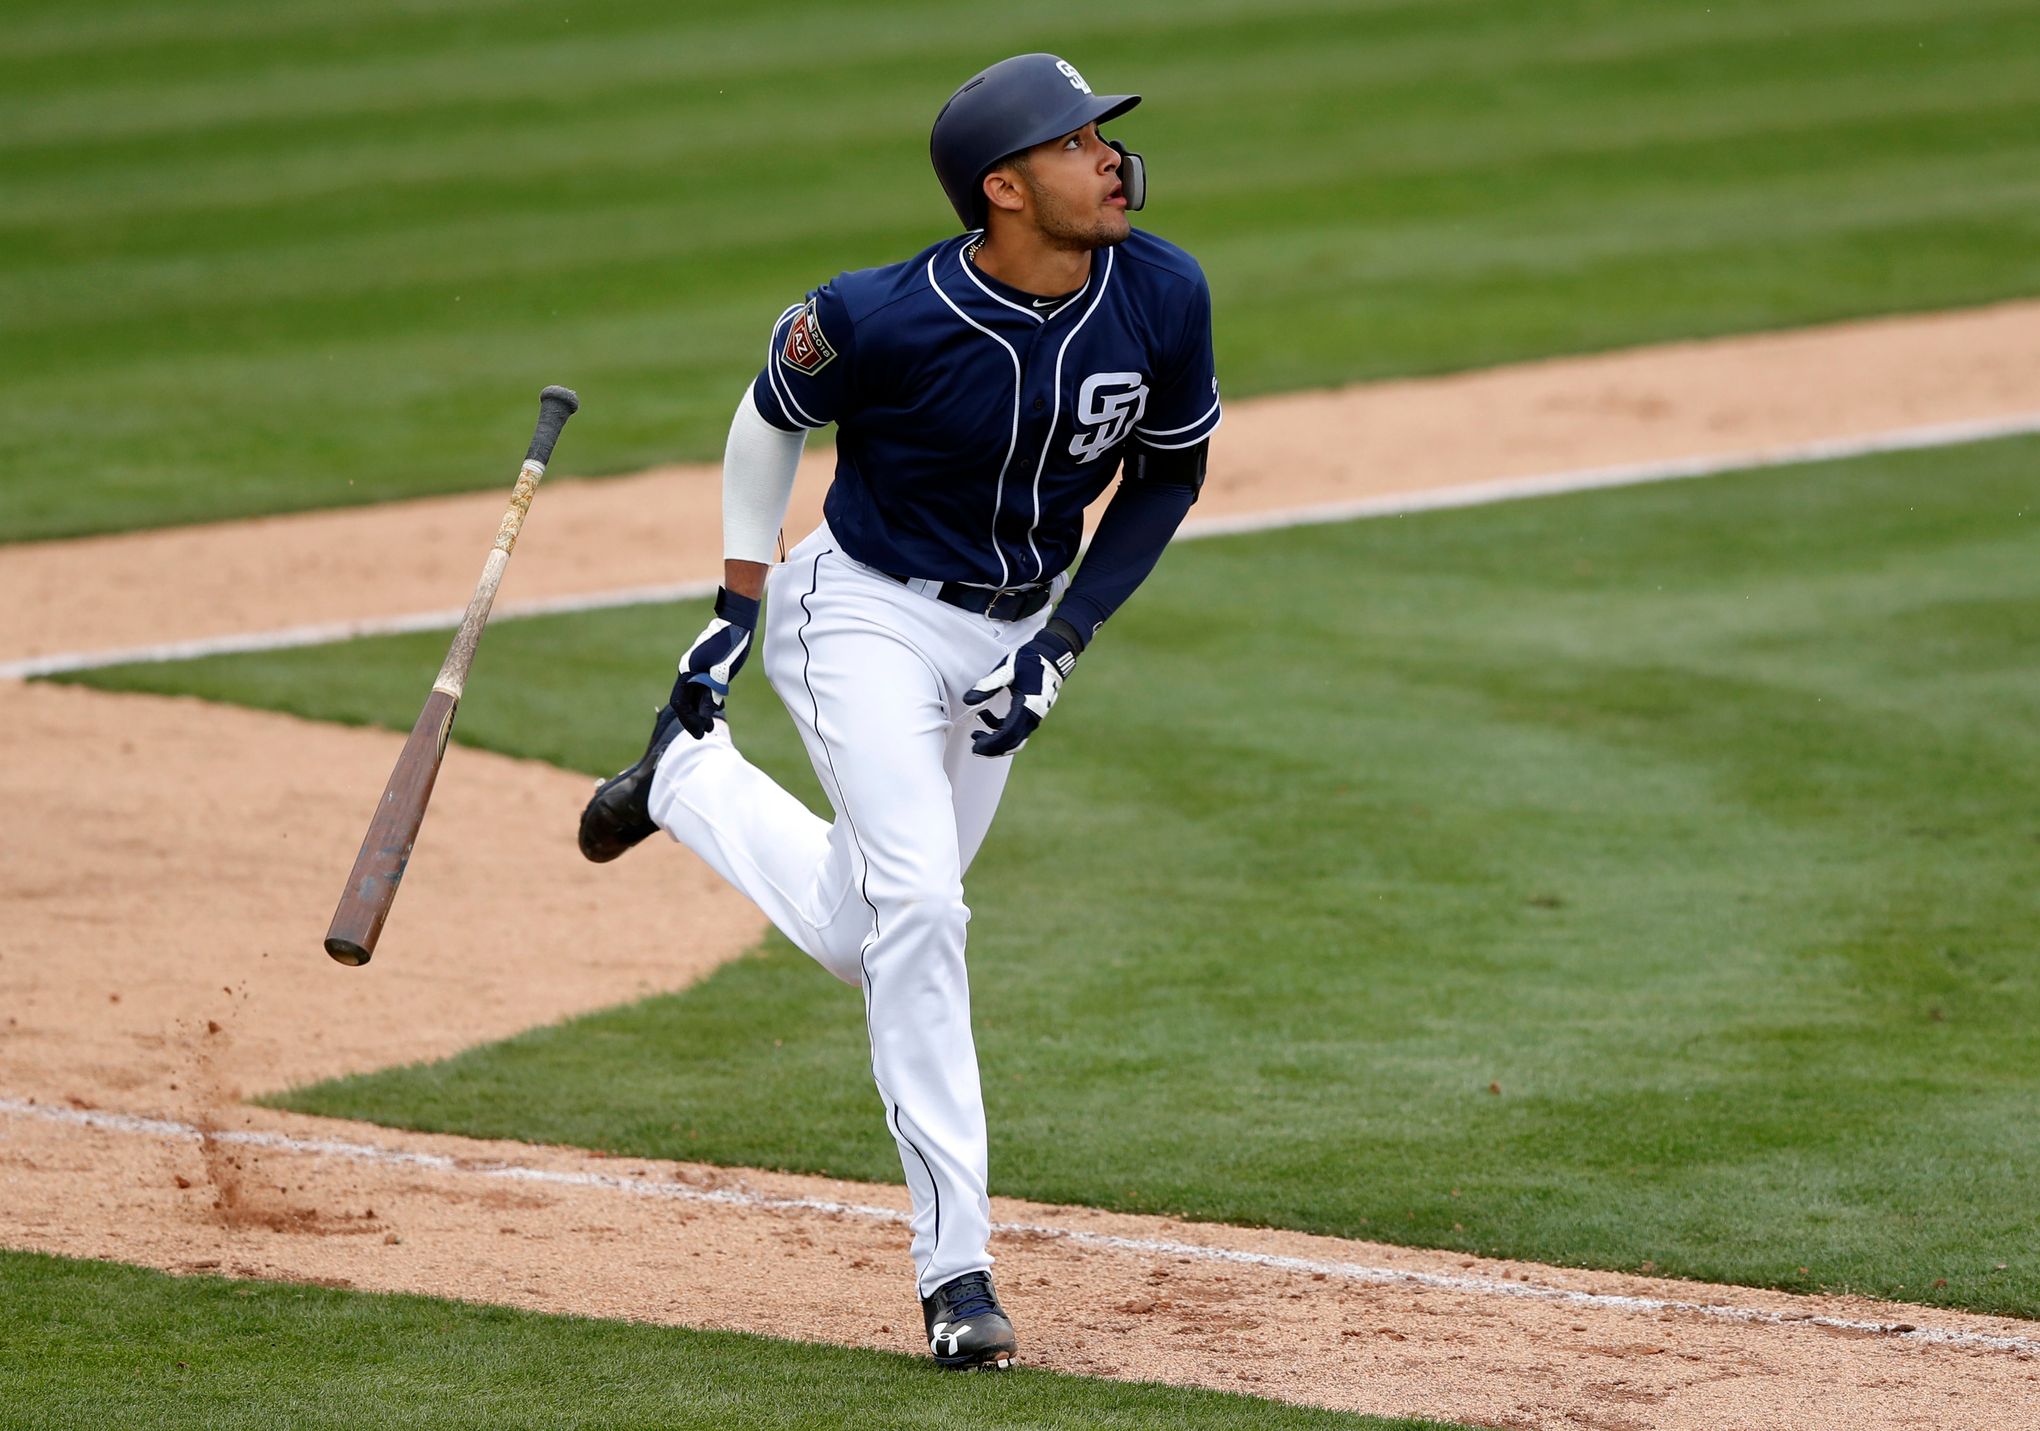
<point x="984" y="392"/>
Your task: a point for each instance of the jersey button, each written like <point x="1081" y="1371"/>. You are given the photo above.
<point x="1040" y="403"/>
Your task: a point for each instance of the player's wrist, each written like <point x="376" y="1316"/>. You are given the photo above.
<point x="745" y="578"/>
<point x="1066" y="634"/>
<point x="737" y="608"/>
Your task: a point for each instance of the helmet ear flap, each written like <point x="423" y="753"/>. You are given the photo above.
<point x="1132" y="175"/>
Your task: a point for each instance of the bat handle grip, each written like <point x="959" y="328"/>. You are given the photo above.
<point x="555" y="405"/>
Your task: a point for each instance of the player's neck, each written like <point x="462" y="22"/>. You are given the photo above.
<point x="1025" y="262"/>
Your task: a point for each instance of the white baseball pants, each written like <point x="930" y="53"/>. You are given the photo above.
<point x="874" y="675"/>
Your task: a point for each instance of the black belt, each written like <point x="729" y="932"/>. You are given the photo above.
<point x="1010" y="604"/>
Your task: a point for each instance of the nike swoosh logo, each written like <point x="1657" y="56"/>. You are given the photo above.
<point x="1046" y="302"/>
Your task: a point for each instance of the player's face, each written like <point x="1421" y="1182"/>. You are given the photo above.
<point x="1074" y="182"/>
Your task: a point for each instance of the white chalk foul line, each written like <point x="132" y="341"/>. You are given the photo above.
<point x="1628" y="474"/>
<point x="1140" y="1246"/>
<point x="326" y="633"/>
<point x="1471" y="494"/>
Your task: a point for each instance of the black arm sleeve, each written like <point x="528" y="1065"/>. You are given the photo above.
<point x="1154" y="496"/>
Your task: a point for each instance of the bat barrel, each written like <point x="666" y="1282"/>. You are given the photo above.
<point x="386" y="849"/>
<point x="393" y="830"/>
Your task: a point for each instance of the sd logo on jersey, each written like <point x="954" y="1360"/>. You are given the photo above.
<point x="1112" y="401"/>
<point x="806" y="350"/>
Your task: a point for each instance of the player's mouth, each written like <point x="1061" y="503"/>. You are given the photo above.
<point x="1117" y="198"/>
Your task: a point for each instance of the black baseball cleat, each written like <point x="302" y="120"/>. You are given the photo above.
<point x="619" y="813"/>
<point x="967" y="1328"/>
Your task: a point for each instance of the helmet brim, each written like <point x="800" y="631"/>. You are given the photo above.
<point x="1084" y="109"/>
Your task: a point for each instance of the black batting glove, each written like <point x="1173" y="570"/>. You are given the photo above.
<point x="713" y="661"/>
<point x="1034" y="675"/>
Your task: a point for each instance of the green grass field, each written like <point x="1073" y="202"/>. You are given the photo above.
<point x="269" y="256"/>
<point x="1697" y="819"/>
<point x="94" y="1345"/>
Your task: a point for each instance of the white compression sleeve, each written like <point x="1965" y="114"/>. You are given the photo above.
<point x="759" y="463"/>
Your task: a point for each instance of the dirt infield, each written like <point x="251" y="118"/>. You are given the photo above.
<point x="630" y="1238"/>
<point x="167" y="867"/>
<point x="170" y="866"/>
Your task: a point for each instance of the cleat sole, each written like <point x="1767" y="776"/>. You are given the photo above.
<point x="997" y="1362"/>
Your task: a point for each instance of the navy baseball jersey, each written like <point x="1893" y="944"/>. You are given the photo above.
<point x="975" y="422"/>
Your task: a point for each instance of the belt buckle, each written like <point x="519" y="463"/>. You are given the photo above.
<point x="1015" y="593"/>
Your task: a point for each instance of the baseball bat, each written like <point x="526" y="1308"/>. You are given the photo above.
<point x="393" y="830"/>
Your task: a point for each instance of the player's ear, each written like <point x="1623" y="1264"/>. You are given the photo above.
<point x="1005" y="188"/>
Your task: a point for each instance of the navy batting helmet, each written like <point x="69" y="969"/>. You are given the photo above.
<point x="1015" y="105"/>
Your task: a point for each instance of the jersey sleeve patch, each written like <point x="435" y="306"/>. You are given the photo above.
<point x="807" y="349"/>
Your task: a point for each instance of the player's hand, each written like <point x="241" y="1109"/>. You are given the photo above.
<point x="713" y="661"/>
<point x="1034" y="674"/>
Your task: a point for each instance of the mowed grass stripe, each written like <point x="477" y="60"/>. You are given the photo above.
<point x="372" y="163"/>
<point x="374" y="56"/>
<point x="1632" y="879"/>
<point x="388" y="251"/>
<point x="97" y="1344"/>
<point x="306" y="266"/>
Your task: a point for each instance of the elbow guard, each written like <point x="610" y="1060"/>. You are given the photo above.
<point x="1168" y="466"/>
